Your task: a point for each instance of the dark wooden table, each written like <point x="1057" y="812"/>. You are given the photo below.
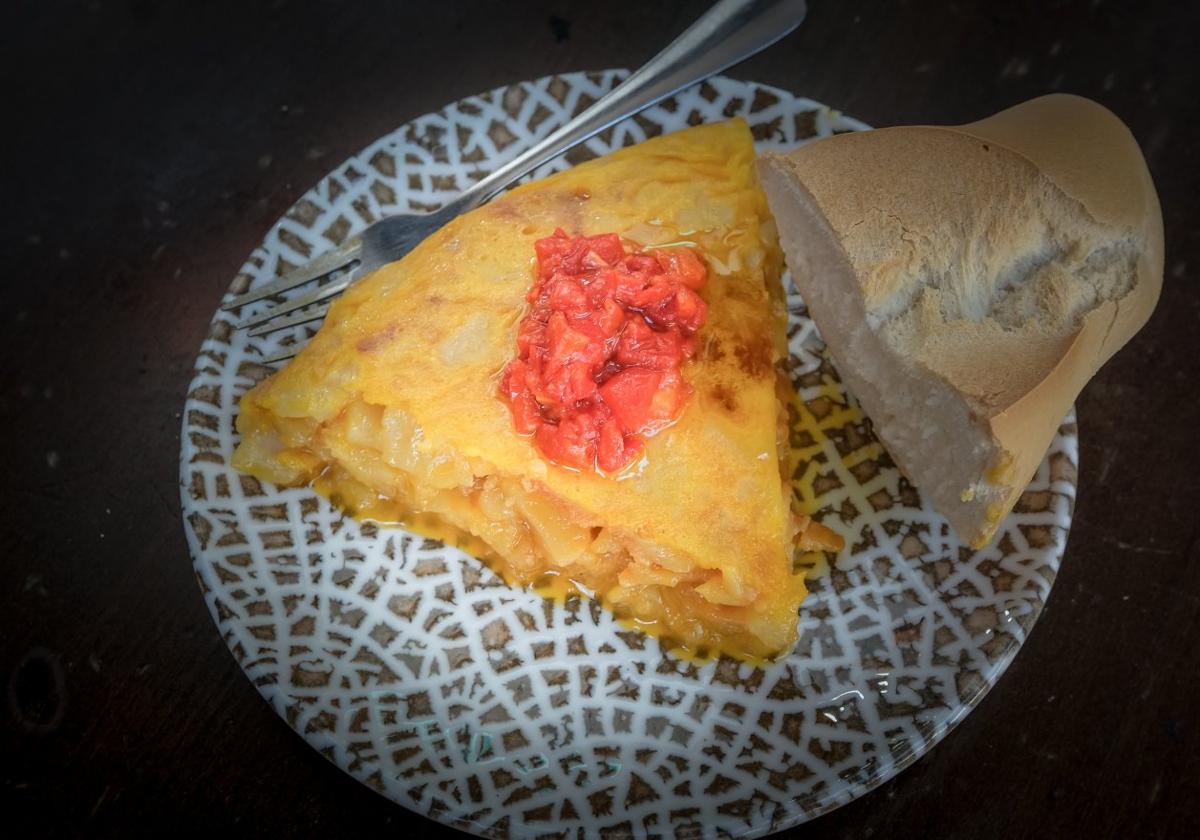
<point x="149" y="145"/>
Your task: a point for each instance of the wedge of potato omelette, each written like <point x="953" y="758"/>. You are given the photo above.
<point x="580" y="382"/>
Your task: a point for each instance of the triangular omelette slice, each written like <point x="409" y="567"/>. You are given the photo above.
<point x="398" y="408"/>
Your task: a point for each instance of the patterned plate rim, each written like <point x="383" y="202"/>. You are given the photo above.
<point x="1057" y="477"/>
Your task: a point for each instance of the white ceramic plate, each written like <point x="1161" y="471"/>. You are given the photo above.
<point x="413" y="668"/>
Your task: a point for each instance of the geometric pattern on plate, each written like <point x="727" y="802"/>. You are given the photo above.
<point x="415" y="669"/>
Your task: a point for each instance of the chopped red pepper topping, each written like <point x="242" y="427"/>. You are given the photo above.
<point x="598" y="354"/>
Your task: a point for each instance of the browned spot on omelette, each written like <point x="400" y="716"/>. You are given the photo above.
<point x="377" y="340"/>
<point x="725" y="396"/>
<point x="756" y="357"/>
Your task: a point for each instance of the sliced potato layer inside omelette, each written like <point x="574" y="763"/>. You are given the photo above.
<point x="396" y="408"/>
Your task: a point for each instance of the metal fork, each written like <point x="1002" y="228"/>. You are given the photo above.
<point x="729" y="32"/>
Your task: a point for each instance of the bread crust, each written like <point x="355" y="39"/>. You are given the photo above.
<point x="1005" y="260"/>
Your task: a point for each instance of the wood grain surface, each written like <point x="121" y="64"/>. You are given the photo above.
<point x="149" y="146"/>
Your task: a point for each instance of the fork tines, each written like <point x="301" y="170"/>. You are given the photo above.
<point x="292" y="304"/>
<point x="343" y="256"/>
<point x="302" y="317"/>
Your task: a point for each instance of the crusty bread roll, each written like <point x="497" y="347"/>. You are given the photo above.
<point x="969" y="280"/>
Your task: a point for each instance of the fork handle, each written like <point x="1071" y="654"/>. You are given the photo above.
<point x="732" y="30"/>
